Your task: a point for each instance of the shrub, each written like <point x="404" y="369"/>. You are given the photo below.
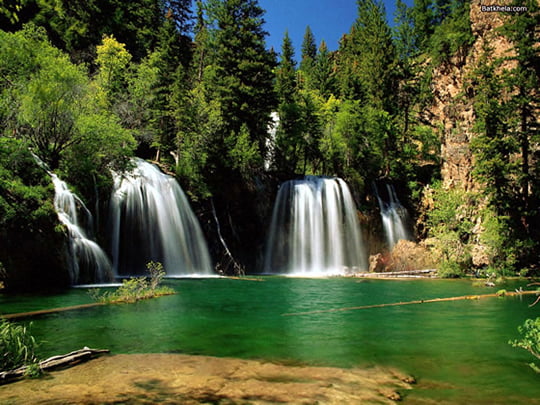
<point x="135" y="289"/>
<point x="156" y="271"/>
<point x="17" y="346"/>
<point x="530" y="340"/>
<point x="450" y="269"/>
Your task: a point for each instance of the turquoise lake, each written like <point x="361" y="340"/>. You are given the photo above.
<point x="457" y="350"/>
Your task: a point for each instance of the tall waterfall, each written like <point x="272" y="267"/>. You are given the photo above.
<point x="88" y="263"/>
<point x="152" y="220"/>
<point x="394" y="217"/>
<point x="314" y="229"/>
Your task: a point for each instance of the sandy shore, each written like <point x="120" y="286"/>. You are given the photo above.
<point x="183" y="379"/>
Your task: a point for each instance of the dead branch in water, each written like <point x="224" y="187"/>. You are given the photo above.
<point x="65" y="360"/>
<point x="22" y="315"/>
<point x="395" y="304"/>
<point x="238" y="269"/>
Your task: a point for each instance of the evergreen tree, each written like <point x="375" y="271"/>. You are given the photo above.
<point x="309" y="49"/>
<point x="288" y="134"/>
<point x="243" y="77"/>
<point x="422" y="15"/>
<point x="323" y="72"/>
<point x="286" y="72"/>
<point x="406" y="40"/>
<point x="522" y="84"/>
<point x="367" y="58"/>
<point x="307" y="58"/>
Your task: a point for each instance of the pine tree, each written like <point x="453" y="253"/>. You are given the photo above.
<point x="243" y="77"/>
<point x="369" y="51"/>
<point x="422" y="15"/>
<point x="522" y="84"/>
<point x="309" y="48"/>
<point x="288" y="134"/>
<point x="307" y="58"/>
<point x="286" y="72"/>
<point x="323" y="72"/>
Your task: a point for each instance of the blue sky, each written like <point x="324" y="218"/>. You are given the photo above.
<point x="328" y="19"/>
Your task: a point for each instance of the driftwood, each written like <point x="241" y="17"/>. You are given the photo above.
<point x="65" y="360"/>
<point x="22" y="315"/>
<point x="398" y="274"/>
<point x="395" y="304"/>
<point x="538" y="299"/>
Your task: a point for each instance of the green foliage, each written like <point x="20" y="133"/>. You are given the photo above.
<point x="452" y="35"/>
<point x="530" y="339"/>
<point x="450" y="225"/>
<point x="367" y="58"/>
<point x="243" y="153"/>
<point x="450" y="269"/>
<point x="244" y="71"/>
<point x="17" y="346"/>
<point x="137" y="288"/>
<point x="156" y="272"/>
<point x="59" y="112"/>
<point x="31" y="242"/>
<point x="201" y="123"/>
<point x="112" y="61"/>
<point x="460" y="221"/>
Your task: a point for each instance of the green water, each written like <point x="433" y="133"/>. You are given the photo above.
<point x="457" y="350"/>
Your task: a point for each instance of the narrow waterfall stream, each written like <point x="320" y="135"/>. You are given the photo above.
<point x="394" y="217"/>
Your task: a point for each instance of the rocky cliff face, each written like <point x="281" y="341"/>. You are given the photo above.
<point x="452" y="111"/>
<point x="452" y="114"/>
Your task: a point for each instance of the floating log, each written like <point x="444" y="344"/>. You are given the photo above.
<point x="65" y="360"/>
<point x="395" y="304"/>
<point x="398" y="274"/>
<point x="22" y="315"/>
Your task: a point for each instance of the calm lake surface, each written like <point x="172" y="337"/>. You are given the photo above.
<point x="457" y="350"/>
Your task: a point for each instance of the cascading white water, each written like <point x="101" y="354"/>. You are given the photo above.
<point x="314" y="229"/>
<point x="152" y="220"/>
<point x="88" y="262"/>
<point x="394" y="217"/>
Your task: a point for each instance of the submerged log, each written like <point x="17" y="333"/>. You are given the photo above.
<point x="426" y="301"/>
<point x="21" y="315"/>
<point x="65" y="360"/>
<point x="397" y="274"/>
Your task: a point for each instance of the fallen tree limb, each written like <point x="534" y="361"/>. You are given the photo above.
<point x="395" y="304"/>
<point x="21" y="315"/>
<point x="404" y="274"/>
<point x="237" y="268"/>
<point x="65" y="360"/>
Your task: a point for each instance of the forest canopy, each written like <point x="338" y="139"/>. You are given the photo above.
<point x="87" y="85"/>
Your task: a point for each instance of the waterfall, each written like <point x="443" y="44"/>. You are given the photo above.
<point x="271" y="140"/>
<point x="88" y="262"/>
<point x="314" y="229"/>
<point x="151" y="219"/>
<point x="394" y="217"/>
